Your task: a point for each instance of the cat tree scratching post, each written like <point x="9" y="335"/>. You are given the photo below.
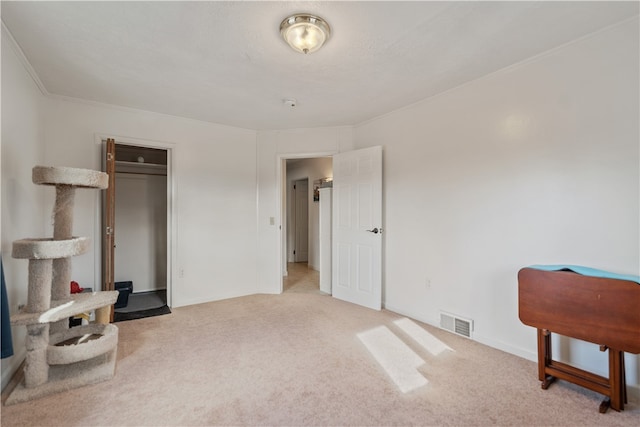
<point x="58" y="357"/>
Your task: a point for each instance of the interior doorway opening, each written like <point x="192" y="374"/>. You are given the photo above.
<point x="141" y="218"/>
<point x="356" y="224"/>
<point x="302" y="238"/>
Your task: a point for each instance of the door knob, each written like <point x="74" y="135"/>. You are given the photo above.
<point x="374" y="231"/>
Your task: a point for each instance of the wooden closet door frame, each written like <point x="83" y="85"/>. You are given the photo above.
<point x="109" y="222"/>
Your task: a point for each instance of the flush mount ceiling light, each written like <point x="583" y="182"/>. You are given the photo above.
<point x="305" y="33"/>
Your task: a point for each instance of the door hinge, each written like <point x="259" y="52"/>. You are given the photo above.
<point x="294" y="251"/>
<point x="109" y="231"/>
<point x="294" y="186"/>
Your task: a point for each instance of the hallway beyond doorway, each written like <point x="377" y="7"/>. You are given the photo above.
<point x="301" y="279"/>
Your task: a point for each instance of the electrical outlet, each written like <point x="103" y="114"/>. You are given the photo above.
<point x="181" y="272"/>
<point x="427" y="283"/>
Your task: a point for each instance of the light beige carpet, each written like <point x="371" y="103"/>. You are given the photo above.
<point x="295" y="359"/>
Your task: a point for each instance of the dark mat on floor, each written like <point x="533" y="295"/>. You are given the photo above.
<point x="144" y="301"/>
<point x="132" y="315"/>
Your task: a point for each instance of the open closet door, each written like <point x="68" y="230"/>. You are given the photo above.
<point x="357" y="222"/>
<point x="109" y="221"/>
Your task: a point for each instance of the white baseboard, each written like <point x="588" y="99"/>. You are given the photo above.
<point x="210" y="298"/>
<point x="415" y="316"/>
<point x="633" y="390"/>
<point x="11" y="365"/>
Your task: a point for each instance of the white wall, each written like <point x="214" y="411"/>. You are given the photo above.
<point x="536" y="164"/>
<point x="214" y="192"/>
<point x="273" y="146"/>
<point x="23" y="211"/>
<point x="314" y="169"/>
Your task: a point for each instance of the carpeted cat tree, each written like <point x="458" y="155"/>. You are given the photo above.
<point x="59" y="357"/>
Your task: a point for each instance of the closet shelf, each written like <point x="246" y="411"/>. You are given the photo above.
<point x="151" y="165"/>
<point x="140" y="168"/>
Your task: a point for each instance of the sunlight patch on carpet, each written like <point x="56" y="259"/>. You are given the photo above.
<point x="397" y="359"/>
<point x="427" y="341"/>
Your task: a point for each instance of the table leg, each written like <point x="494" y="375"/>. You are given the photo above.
<point x="544" y="357"/>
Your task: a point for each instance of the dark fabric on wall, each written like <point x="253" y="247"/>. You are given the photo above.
<point x="5" y="326"/>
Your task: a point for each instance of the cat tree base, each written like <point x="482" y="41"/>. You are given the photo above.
<point x="68" y="377"/>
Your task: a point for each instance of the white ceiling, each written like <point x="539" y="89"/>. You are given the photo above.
<point x="224" y="62"/>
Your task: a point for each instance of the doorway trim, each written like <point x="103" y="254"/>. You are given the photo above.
<point x="100" y="140"/>
<point x="281" y="209"/>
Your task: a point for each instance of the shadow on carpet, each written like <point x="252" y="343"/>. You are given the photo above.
<point x="132" y="315"/>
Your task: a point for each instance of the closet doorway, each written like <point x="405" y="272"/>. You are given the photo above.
<point x="139" y="199"/>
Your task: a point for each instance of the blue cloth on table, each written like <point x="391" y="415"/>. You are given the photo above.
<point x="5" y="325"/>
<point x="587" y="271"/>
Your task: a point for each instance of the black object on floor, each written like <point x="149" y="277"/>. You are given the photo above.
<point x="124" y="289"/>
<point x="132" y="315"/>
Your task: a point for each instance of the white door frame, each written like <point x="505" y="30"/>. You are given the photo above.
<point x="171" y="217"/>
<point x="281" y="210"/>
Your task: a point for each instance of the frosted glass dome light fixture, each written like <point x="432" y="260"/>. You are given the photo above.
<point x="305" y="33"/>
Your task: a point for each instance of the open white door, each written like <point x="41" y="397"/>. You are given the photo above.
<point x="357" y="222"/>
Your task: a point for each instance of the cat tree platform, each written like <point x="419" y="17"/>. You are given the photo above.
<point x="49" y="248"/>
<point x="80" y="178"/>
<point x="63" y="309"/>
